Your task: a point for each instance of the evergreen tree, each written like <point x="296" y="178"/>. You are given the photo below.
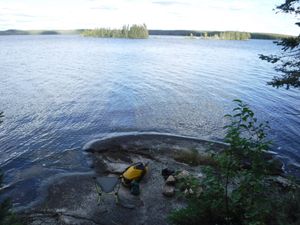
<point x="288" y="62"/>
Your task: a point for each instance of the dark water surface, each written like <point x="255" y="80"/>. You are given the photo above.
<point x="59" y="92"/>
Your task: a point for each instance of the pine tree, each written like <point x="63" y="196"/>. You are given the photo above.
<point x="288" y="62"/>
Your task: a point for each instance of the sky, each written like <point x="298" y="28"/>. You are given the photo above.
<point x="221" y="15"/>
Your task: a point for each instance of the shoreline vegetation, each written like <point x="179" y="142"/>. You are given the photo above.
<point x="141" y="31"/>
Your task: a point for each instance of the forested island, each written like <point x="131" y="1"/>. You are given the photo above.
<point x="133" y="32"/>
<point x="141" y="31"/>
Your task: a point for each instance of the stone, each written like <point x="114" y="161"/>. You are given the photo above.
<point x="116" y="168"/>
<point x="182" y="174"/>
<point x="283" y="182"/>
<point x="186" y="191"/>
<point x="199" y="191"/>
<point x="167" y="172"/>
<point x="275" y="167"/>
<point x="200" y="175"/>
<point x="169" y="191"/>
<point x="171" y="180"/>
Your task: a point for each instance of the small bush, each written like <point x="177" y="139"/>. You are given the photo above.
<point x="189" y="185"/>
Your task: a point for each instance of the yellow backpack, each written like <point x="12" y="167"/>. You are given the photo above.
<point x="134" y="172"/>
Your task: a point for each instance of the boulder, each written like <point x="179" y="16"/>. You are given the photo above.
<point x="171" y="180"/>
<point x="275" y="167"/>
<point x="200" y="175"/>
<point x="115" y="168"/>
<point x="199" y="191"/>
<point x="167" y="172"/>
<point x="281" y="181"/>
<point x="188" y="191"/>
<point x="169" y="190"/>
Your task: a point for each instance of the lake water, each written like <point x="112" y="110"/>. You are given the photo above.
<point x="59" y="92"/>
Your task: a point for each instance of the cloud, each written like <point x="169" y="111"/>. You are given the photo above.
<point x="169" y="3"/>
<point x="23" y="21"/>
<point x="25" y="15"/>
<point x="6" y="25"/>
<point x="109" y="8"/>
<point x="177" y="14"/>
<point x="3" y="20"/>
<point x="231" y="6"/>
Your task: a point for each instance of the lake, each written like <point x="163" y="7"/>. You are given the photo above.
<point x="59" y="92"/>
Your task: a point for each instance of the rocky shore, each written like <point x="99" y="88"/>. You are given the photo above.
<point x="72" y="198"/>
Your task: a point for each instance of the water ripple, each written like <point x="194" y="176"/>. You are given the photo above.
<point x="58" y="92"/>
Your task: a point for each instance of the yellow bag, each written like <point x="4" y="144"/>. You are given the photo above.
<point x="134" y="172"/>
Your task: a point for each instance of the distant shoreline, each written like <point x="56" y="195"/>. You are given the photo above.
<point x="186" y="33"/>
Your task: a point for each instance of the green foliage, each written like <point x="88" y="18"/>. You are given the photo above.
<point x="247" y="140"/>
<point x="236" y="191"/>
<point x="133" y="32"/>
<point x="290" y="6"/>
<point x="189" y="184"/>
<point x="288" y="62"/>
<point x="289" y="205"/>
<point x="6" y="216"/>
<point x="137" y="31"/>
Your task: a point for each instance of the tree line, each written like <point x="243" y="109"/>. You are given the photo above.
<point x="227" y="35"/>
<point x="134" y="32"/>
<point x="222" y="35"/>
<point x="124" y="33"/>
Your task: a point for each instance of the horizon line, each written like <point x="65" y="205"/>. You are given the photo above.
<point x="195" y="30"/>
